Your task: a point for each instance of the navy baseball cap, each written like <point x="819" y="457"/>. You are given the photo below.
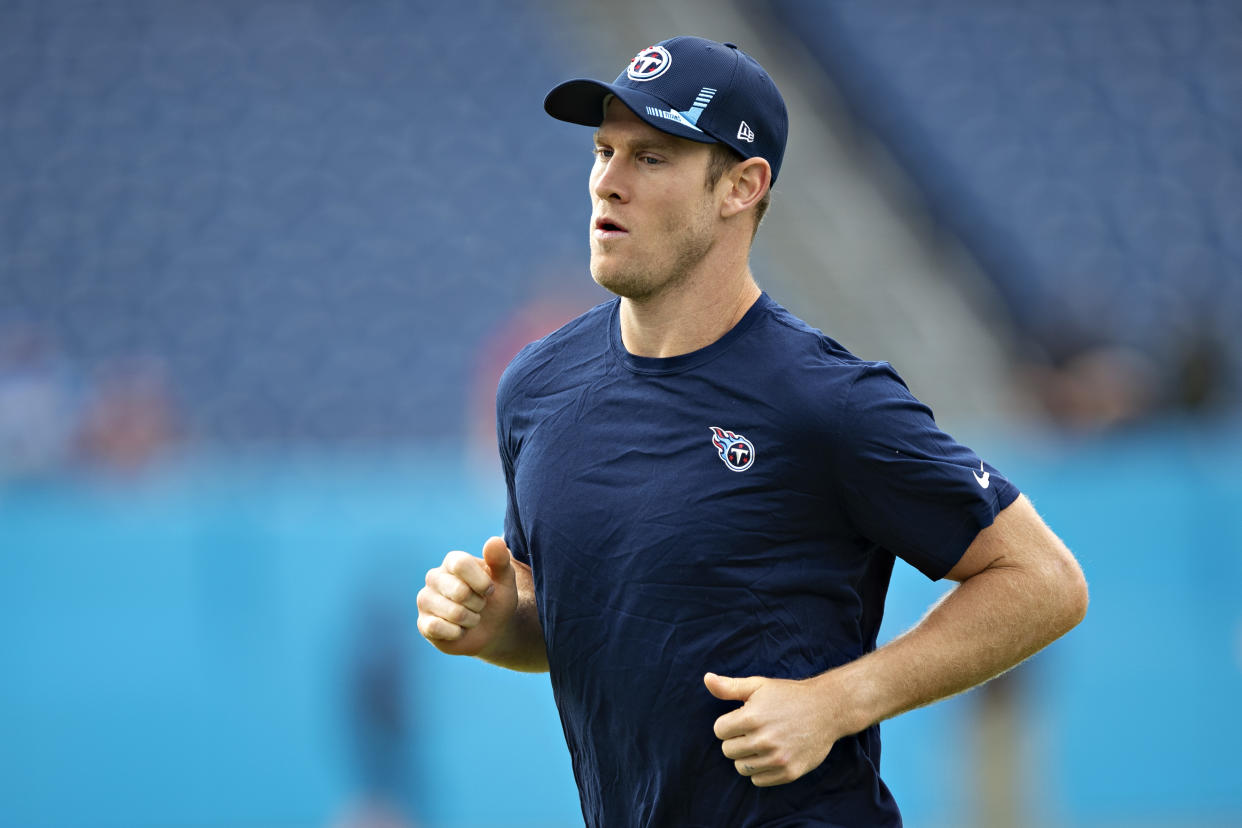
<point x="693" y="88"/>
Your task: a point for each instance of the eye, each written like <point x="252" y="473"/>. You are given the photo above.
<point x="602" y="152"/>
<point x="651" y="160"/>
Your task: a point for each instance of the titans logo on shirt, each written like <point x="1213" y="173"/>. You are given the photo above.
<point x="736" y="451"/>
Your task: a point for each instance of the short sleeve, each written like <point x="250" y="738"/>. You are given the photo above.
<point x="907" y="485"/>
<point x="515" y="537"/>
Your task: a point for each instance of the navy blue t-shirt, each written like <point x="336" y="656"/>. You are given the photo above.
<point x="735" y="510"/>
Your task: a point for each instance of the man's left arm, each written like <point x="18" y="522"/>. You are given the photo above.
<point x="1019" y="590"/>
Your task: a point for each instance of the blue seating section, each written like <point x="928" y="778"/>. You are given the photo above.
<point x="311" y="212"/>
<point x="1090" y="153"/>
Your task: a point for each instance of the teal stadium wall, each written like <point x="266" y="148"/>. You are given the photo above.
<point x="185" y="648"/>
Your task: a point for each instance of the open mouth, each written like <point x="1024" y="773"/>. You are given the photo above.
<point x="608" y="226"/>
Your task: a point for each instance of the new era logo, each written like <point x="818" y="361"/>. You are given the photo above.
<point x="744" y="133"/>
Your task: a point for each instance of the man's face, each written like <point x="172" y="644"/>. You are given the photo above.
<point x="653" y="218"/>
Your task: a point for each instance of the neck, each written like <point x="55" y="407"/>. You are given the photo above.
<point x="690" y="316"/>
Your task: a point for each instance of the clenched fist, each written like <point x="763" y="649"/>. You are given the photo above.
<point x="468" y="602"/>
<point x="783" y="730"/>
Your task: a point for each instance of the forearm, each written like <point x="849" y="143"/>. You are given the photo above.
<point x="986" y="625"/>
<point x="521" y="646"/>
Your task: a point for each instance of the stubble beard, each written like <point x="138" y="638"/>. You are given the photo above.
<point x="643" y="280"/>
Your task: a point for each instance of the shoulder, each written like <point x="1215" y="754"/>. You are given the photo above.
<point x="573" y="343"/>
<point x="830" y="398"/>
<point x="812" y="363"/>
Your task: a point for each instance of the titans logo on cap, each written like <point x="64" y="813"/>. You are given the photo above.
<point x="736" y="451"/>
<point x="649" y="64"/>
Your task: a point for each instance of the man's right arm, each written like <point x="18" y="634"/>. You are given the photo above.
<point x="484" y="607"/>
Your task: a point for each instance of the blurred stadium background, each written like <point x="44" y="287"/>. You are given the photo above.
<point x="262" y="262"/>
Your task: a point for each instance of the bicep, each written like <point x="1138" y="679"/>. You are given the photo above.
<point x="524" y="578"/>
<point x="1017" y="538"/>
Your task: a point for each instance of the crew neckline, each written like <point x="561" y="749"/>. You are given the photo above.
<point x="681" y="362"/>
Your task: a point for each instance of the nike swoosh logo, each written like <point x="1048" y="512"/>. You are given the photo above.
<point x="984" y="480"/>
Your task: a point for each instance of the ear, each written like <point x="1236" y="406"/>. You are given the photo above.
<point x="747" y="182"/>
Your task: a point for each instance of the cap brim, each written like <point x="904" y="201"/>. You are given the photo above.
<point x="581" y="101"/>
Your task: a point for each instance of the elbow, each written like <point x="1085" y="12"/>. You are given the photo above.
<point x="1071" y="588"/>
<point x="1079" y="599"/>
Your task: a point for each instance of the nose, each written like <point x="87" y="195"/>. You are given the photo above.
<point x="608" y="180"/>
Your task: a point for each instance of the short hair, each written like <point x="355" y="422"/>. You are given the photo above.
<point x="724" y="157"/>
